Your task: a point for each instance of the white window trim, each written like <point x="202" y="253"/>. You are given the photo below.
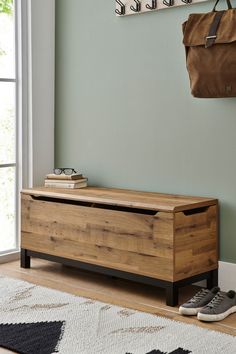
<point x="24" y="94"/>
<point x="13" y="254"/>
<point x="35" y="69"/>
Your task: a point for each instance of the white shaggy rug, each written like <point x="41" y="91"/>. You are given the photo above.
<point x="37" y="320"/>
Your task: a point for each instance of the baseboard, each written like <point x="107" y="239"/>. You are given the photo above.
<point x="227" y="276"/>
<point x="10" y="257"/>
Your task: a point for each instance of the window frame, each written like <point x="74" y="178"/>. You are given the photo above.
<point x="35" y="58"/>
<point x="11" y="254"/>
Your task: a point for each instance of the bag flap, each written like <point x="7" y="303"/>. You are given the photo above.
<point x="197" y="27"/>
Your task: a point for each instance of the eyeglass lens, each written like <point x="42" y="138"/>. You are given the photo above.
<point x="66" y="171"/>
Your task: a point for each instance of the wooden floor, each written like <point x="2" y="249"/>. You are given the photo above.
<point x="110" y="290"/>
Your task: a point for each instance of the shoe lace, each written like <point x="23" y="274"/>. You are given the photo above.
<point x="198" y="296"/>
<point x="216" y="301"/>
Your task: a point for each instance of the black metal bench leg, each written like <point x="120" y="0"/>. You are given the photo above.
<point x="25" y="259"/>
<point x="172" y="295"/>
<point x="213" y="280"/>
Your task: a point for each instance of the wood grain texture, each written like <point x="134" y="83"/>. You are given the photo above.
<point x="195" y="243"/>
<point x="167" y="245"/>
<point x="127" y="198"/>
<point x="131" y="242"/>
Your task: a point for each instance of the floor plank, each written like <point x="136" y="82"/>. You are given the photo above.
<point x="110" y="290"/>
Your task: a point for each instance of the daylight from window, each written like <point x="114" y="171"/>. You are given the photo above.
<point x="7" y="127"/>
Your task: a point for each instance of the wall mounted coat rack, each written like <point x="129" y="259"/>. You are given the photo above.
<point x="132" y="7"/>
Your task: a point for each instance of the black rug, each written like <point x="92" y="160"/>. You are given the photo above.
<point x="31" y="338"/>
<point x="177" y="351"/>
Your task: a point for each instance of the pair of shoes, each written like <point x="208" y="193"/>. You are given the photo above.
<point x="210" y="305"/>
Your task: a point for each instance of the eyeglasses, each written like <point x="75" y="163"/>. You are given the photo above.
<point x="67" y="171"/>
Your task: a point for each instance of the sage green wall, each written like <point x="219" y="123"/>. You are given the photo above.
<point x="124" y="113"/>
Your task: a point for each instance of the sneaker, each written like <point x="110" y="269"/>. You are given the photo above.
<point x="196" y="303"/>
<point x="219" y="308"/>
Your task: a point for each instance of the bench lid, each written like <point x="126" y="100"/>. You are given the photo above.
<point x="125" y="198"/>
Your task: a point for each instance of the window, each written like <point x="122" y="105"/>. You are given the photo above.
<point x="8" y="128"/>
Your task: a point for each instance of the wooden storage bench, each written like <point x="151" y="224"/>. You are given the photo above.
<point x="159" y="239"/>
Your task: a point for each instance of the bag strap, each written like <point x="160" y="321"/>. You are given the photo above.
<point x="228" y="4"/>
<point x="210" y="39"/>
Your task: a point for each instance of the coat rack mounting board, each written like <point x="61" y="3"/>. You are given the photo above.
<point x="134" y="7"/>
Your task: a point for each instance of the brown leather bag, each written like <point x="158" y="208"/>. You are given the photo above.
<point x="210" y="42"/>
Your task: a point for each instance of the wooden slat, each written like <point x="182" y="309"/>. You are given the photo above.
<point x="126" y="241"/>
<point x="127" y="198"/>
<point x="157" y="267"/>
<point x="195" y="243"/>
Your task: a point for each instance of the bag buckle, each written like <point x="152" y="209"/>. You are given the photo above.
<point x="210" y="40"/>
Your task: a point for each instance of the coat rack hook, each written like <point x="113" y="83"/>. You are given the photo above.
<point x="169" y="3"/>
<point x="122" y="8"/>
<point x="153" y="6"/>
<point x="138" y="6"/>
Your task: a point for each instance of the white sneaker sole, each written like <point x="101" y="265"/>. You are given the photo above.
<point x="213" y="318"/>
<point x="189" y="311"/>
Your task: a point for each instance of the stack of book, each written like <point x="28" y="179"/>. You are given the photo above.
<point x="73" y="181"/>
